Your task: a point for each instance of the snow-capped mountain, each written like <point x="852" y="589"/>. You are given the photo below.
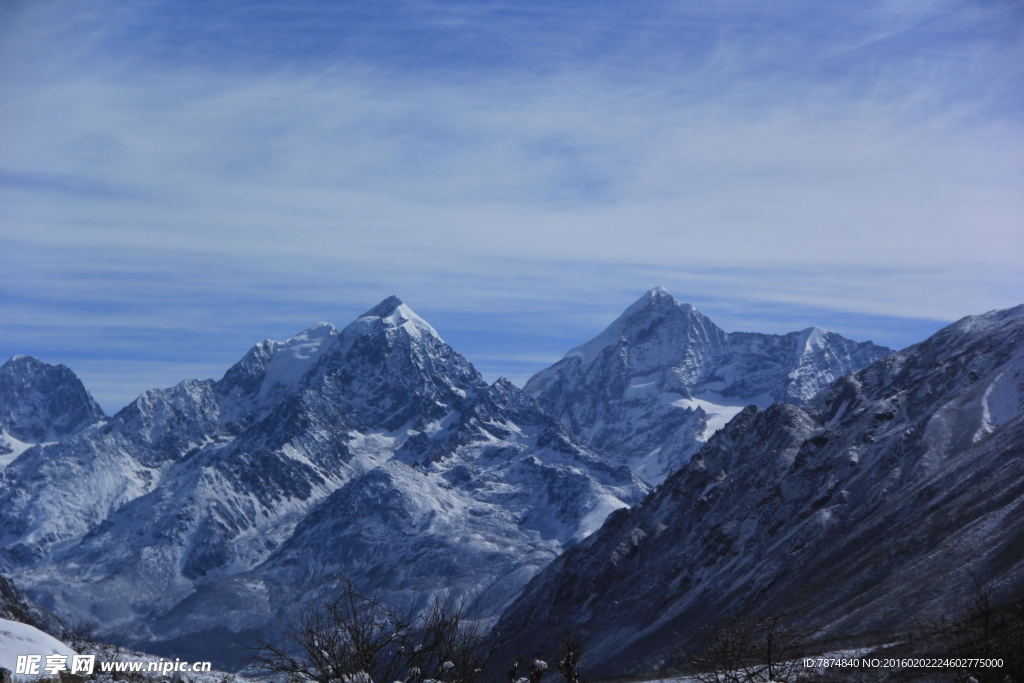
<point x="656" y="383"/>
<point x="471" y="507"/>
<point x="41" y="402"/>
<point x="870" y="509"/>
<point x="376" y="447"/>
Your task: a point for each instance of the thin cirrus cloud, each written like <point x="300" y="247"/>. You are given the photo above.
<point x="180" y="180"/>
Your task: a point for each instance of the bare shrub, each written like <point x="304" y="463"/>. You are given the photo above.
<point x="760" y="650"/>
<point x="570" y="653"/>
<point x="81" y="636"/>
<point x="986" y="630"/>
<point x="356" y="638"/>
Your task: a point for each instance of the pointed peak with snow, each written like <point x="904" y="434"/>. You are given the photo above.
<point x="385" y="308"/>
<point x="655" y="299"/>
<point x="390" y="313"/>
<point x="23" y="360"/>
<point x="657" y="295"/>
<point x="811" y="339"/>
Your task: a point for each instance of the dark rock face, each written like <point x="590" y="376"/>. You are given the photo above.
<point x="651" y="388"/>
<point x="41" y="402"/>
<point x="15" y="605"/>
<point x="862" y="510"/>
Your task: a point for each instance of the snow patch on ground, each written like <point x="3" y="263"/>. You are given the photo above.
<point x="594" y="518"/>
<point x="21" y="639"/>
<point x="643" y="386"/>
<point x="1003" y="398"/>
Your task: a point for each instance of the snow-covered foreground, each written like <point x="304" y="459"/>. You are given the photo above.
<point x="18" y="639"/>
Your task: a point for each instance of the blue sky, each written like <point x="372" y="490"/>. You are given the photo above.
<point x="179" y="180"/>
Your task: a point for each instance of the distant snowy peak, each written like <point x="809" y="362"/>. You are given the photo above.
<point x="810" y="339"/>
<point x="660" y="379"/>
<point x="391" y="313"/>
<point x="655" y="303"/>
<point x="387" y="351"/>
<point x="659" y="334"/>
<point x="42" y="402"/>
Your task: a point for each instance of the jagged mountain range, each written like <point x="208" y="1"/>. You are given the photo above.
<point x="871" y="509"/>
<point x="376" y="452"/>
<point x="652" y="387"/>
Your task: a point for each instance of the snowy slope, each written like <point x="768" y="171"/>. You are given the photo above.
<point x="662" y="378"/>
<point x="471" y="510"/>
<point x="21" y="639"/>
<point x="874" y="503"/>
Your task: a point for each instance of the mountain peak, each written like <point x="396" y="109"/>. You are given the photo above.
<point x="390" y="313"/>
<point x="657" y="298"/>
<point x="41" y="402"/>
<point x="289" y="360"/>
<point x="21" y="360"/>
<point x="810" y="339"/>
<point x="385" y="308"/>
<point x="658" y="295"/>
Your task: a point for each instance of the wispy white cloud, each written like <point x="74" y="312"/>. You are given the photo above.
<point x="181" y="183"/>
